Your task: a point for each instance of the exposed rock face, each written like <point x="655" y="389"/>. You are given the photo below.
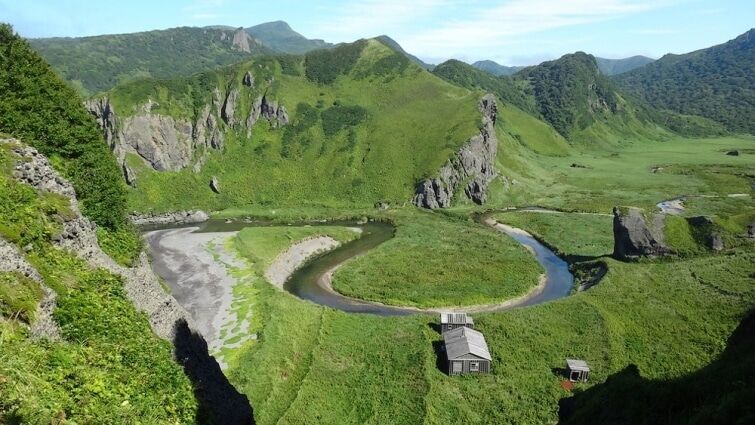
<point x="167" y="143"/>
<point x="178" y="217"/>
<point x="242" y="41"/>
<point x="229" y="107"/>
<point x="105" y="115"/>
<point x="162" y="141"/>
<point x="129" y="175"/>
<point x="274" y="113"/>
<point x="473" y="164"/>
<point x="635" y="238"/>
<point x="79" y="237"/>
<point x="248" y="79"/>
<point x="215" y="184"/>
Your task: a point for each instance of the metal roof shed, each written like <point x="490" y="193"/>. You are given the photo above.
<point x="577" y="370"/>
<point x="466" y="351"/>
<point x="450" y="321"/>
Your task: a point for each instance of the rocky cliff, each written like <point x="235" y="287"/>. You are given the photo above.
<point x="166" y="143"/>
<point x="79" y="237"/>
<point x="471" y="168"/>
<point x="636" y="235"/>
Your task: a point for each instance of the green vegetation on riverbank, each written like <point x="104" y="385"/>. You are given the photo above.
<point x="588" y="235"/>
<point x="316" y="364"/>
<point x="436" y="261"/>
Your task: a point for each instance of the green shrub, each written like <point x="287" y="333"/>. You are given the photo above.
<point x="19" y="296"/>
<point x="324" y="66"/>
<point x="337" y="118"/>
<point x="39" y="108"/>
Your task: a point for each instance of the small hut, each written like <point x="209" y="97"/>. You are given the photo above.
<point x="577" y="370"/>
<point x="451" y="321"/>
<point x="466" y="351"/>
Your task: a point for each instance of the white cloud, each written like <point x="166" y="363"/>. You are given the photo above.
<point x="497" y="25"/>
<point x="373" y="17"/>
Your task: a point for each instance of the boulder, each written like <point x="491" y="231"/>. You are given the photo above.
<point x="248" y="79"/>
<point x="715" y="241"/>
<point x="215" y="185"/>
<point x="473" y="164"/>
<point x="129" y="175"/>
<point x="382" y="205"/>
<point x="635" y="238"/>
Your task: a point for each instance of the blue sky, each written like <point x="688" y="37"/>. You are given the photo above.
<point x="512" y="32"/>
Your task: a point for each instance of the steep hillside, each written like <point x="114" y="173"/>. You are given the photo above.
<point x="281" y="37"/>
<point x="496" y="68"/>
<point x="95" y="64"/>
<point x="717" y="83"/>
<point x="620" y="66"/>
<point x="38" y="107"/>
<point x="577" y="100"/>
<point x="393" y="44"/>
<point x="606" y="66"/>
<point x="351" y="125"/>
<point x="504" y="87"/>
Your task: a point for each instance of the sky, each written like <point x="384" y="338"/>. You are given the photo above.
<point x="511" y="32"/>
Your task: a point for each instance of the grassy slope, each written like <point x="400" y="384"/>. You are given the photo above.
<point x="436" y="261"/>
<point x="624" y="176"/>
<point x="566" y="231"/>
<point x="95" y="64"/>
<point x="109" y="367"/>
<point x="399" y="143"/>
<point x="319" y="365"/>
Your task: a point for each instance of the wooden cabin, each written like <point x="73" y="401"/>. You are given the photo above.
<point x="577" y="370"/>
<point x="451" y="321"/>
<point x="466" y="351"/>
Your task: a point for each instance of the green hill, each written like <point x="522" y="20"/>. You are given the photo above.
<point x="281" y="37"/>
<point x="573" y="96"/>
<point x="717" y="83"/>
<point x="393" y="44"/>
<point x="95" y="64"/>
<point x="496" y="68"/>
<point x="362" y="124"/>
<point x="505" y="88"/>
<point x="620" y="66"/>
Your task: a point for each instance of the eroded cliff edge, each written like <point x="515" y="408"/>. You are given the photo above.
<point x="471" y="168"/>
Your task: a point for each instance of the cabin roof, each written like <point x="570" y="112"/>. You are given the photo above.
<point x="462" y="341"/>
<point x="576" y="364"/>
<point x="455" y="319"/>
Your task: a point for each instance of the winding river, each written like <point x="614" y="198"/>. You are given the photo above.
<point x="312" y="281"/>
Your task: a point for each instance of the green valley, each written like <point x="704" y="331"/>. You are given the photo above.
<point x="243" y="225"/>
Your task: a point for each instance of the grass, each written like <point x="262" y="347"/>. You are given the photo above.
<point x="365" y="137"/>
<point x="109" y="367"/>
<point x="573" y="234"/>
<point x="638" y="172"/>
<point x="318" y="365"/>
<point x="436" y="261"/>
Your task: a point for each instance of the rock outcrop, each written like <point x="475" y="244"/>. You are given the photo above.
<point x="169" y="144"/>
<point x="635" y="238"/>
<point x="177" y="217"/>
<point x="215" y="184"/>
<point x="248" y="79"/>
<point x="43" y="326"/>
<point x="78" y="236"/>
<point x="472" y="166"/>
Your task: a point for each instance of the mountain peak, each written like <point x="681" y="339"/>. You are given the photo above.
<point x="278" y="35"/>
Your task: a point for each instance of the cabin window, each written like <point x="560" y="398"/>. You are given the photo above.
<point x="474" y="366"/>
<point x="456" y="367"/>
<point x="575" y="375"/>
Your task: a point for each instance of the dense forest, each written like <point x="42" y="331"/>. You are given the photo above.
<point x="717" y="83"/>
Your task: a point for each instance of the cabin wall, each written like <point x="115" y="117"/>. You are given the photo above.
<point x="466" y="367"/>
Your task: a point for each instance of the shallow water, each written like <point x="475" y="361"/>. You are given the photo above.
<point x="307" y="282"/>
